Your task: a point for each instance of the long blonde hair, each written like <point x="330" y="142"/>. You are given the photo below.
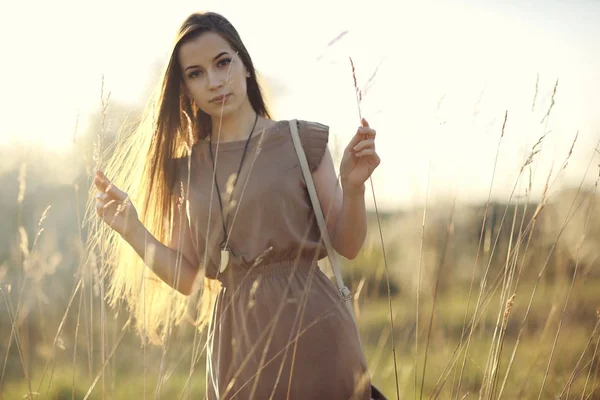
<point x="143" y="166"/>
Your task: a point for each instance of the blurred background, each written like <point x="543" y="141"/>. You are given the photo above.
<point x="480" y="273"/>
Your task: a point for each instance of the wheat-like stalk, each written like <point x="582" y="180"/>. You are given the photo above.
<point x="387" y="275"/>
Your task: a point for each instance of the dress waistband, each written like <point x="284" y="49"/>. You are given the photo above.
<point x="239" y="275"/>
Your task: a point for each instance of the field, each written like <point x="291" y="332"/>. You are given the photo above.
<point x="535" y="330"/>
<point x="453" y="300"/>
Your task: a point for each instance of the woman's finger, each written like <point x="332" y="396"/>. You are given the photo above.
<point x="115" y="192"/>
<point x="100" y="209"/>
<point x="110" y="203"/>
<point x="101" y="197"/>
<point x="99" y="183"/>
<point x="363" y="132"/>
<point x="355" y="140"/>
<point x="365" y="153"/>
<point x="367" y="132"/>
<point x="102" y="181"/>
<point x="365" y="144"/>
<point x="105" y="185"/>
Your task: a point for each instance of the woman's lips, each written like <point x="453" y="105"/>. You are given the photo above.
<point x="220" y="98"/>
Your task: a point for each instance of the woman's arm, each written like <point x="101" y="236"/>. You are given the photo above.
<point x="167" y="260"/>
<point x="344" y="207"/>
<point x="114" y="207"/>
<point x="344" y="210"/>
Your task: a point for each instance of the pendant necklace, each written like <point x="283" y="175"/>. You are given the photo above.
<point x="225" y="249"/>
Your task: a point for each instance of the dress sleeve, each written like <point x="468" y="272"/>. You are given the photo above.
<point x="314" y="137"/>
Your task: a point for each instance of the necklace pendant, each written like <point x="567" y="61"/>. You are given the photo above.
<point x="224" y="259"/>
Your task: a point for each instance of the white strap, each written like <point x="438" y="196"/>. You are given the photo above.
<point x="333" y="256"/>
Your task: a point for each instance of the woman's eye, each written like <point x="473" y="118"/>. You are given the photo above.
<point x="193" y="74"/>
<point x="224" y="62"/>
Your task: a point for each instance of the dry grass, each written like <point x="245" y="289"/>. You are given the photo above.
<point x="532" y="331"/>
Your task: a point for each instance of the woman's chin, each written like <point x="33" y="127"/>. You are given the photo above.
<point x="221" y="110"/>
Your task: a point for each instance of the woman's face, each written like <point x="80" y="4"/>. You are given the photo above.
<point x="214" y="75"/>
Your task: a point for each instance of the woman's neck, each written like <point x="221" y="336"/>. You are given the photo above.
<point x="234" y="127"/>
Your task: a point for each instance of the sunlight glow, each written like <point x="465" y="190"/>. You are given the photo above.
<point x="445" y="77"/>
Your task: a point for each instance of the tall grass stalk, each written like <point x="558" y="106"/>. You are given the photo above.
<point x="577" y="370"/>
<point x="475" y="263"/>
<point x="593" y="361"/>
<point x="577" y="256"/>
<point x="435" y="292"/>
<point x="419" y="278"/>
<point x="537" y="148"/>
<point x="387" y="274"/>
<point x="567" y="219"/>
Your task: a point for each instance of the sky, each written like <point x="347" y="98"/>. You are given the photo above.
<point x="447" y="74"/>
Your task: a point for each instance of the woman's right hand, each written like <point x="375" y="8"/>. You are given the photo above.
<point x="114" y="207"/>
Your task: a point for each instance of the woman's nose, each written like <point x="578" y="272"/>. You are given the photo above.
<point x="215" y="80"/>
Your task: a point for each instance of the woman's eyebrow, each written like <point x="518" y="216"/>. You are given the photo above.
<point x="214" y="59"/>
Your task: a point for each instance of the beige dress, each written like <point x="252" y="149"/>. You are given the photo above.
<point x="279" y="329"/>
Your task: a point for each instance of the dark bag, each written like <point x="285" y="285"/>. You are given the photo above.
<point x="376" y="394"/>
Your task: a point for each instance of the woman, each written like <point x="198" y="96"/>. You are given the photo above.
<point x="224" y="208"/>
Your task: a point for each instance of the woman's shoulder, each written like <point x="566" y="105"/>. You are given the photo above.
<point x="314" y="137"/>
<point x="305" y="127"/>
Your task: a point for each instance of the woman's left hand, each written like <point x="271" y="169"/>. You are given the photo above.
<point x="360" y="159"/>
